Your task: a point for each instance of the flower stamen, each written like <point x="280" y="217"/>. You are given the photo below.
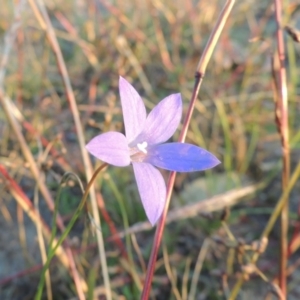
<point x="142" y="147"/>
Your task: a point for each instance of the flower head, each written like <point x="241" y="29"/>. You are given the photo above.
<point x="142" y="147"/>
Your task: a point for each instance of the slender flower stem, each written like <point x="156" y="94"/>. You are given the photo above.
<point x="68" y="229"/>
<point x="282" y="120"/>
<point x="198" y="80"/>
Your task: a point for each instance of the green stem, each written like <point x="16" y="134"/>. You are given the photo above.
<point x="66" y="232"/>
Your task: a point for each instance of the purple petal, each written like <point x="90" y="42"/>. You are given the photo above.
<point x="134" y="111"/>
<point x="152" y="189"/>
<point x="162" y="121"/>
<point x="180" y="157"/>
<point x="110" y="147"/>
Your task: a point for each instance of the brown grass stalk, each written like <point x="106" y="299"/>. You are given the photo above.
<point x="44" y="20"/>
<point x="281" y="119"/>
<point x="56" y="155"/>
<point x="9" y="40"/>
<point x="282" y="122"/>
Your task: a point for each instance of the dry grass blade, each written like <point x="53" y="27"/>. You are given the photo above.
<point x="161" y="42"/>
<point x="8" y="108"/>
<point x="293" y="33"/>
<point x="171" y="274"/>
<point x="198" y="267"/>
<point x="28" y="126"/>
<point x="209" y="205"/>
<point x="283" y="125"/>
<point x="42" y="246"/>
<point x="275" y="214"/>
<point x="42" y="14"/>
<point x="27" y="206"/>
<point x="185" y="278"/>
<point x="124" y="49"/>
<point x="80" y="283"/>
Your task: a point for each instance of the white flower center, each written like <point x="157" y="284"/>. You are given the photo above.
<point x="142" y="147"/>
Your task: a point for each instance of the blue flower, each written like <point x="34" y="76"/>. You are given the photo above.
<point x="143" y="147"/>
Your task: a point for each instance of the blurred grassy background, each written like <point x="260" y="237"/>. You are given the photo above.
<point x="156" y="45"/>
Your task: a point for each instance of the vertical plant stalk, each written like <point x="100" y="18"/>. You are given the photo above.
<point x="282" y="121"/>
<point x="200" y="72"/>
<point x="44" y="20"/>
<point x="53" y="249"/>
<point x="270" y="225"/>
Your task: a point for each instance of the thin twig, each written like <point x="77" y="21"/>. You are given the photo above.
<point x="282" y="117"/>
<point x="198" y="80"/>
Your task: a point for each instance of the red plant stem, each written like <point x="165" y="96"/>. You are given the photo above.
<point x="283" y="124"/>
<point x="162" y="220"/>
<point x="201" y="68"/>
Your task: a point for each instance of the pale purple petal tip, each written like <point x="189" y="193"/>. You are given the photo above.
<point x="152" y="189"/>
<point x="110" y="147"/>
<point x="180" y="157"/>
<point x="134" y="111"/>
<point x="162" y="121"/>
